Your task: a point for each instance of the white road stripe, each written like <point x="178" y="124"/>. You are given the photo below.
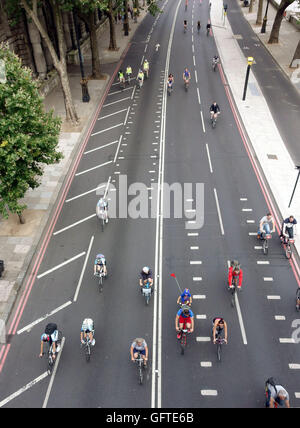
<point x="196" y="76"/>
<point x="128" y="110"/>
<point x="92" y="169"/>
<point x="247" y="209"/>
<point x="85" y="193"/>
<point x="112" y="114"/>
<point x="209" y="160"/>
<point x="198" y="93"/>
<point x="199" y="297"/>
<point x="101" y="147"/>
<point x="29" y="326"/>
<point x="297" y="394"/>
<point x="205" y="364"/>
<point x="209" y="392"/>
<point x="21" y="390"/>
<point x="60" y="265"/>
<point x="74" y="224"/>
<point x="83" y="269"/>
<point x="195" y="262"/>
<point x="252" y="233"/>
<point x="279" y="317"/>
<point x="193" y="234"/>
<point x="118" y="148"/>
<point x="243" y="199"/>
<point x="268" y="278"/>
<point x="194" y="248"/>
<point x="107" y="129"/>
<point x="197" y="278"/>
<point x="286" y="340"/>
<point x="273" y="297"/>
<point x="119" y="92"/>
<point x="294" y="366"/>
<point x="219" y="212"/>
<point x="115" y="102"/>
<point x="201" y="317"/>
<point x="263" y="262"/>
<point x="203" y="339"/>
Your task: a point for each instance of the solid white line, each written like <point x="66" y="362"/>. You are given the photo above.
<point x="29" y="326"/>
<point x="21" y="390"/>
<point x="209" y="160"/>
<point x="128" y="110"/>
<point x="74" y="224"/>
<point x="60" y="265"/>
<point x="219" y="212"/>
<point x="118" y="148"/>
<point x="53" y="374"/>
<point x="107" y="129"/>
<point x="85" y="193"/>
<point x="112" y="114"/>
<point x="115" y="102"/>
<point x="101" y="147"/>
<point x="107" y="186"/>
<point x="92" y="169"/>
<point x="132" y="95"/>
<point x="83" y="269"/>
<point x="119" y="92"/>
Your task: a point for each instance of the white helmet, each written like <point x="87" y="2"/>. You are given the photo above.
<point x="146" y="269"/>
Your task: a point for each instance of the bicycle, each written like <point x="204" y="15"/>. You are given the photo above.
<point x="87" y="347"/>
<point x="51" y="359"/>
<point x="213" y="120"/>
<point x="233" y="291"/>
<point x="140" y="364"/>
<point x="170" y="88"/>
<point x="298" y="299"/>
<point x="183" y="340"/>
<point x="100" y="274"/>
<point x="219" y="342"/>
<point x="186" y="84"/>
<point x="287" y="244"/>
<point x="146" y="292"/>
<point x="103" y="217"/>
<point x="265" y="237"/>
<point x="128" y="77"/>
<point x="184" y="28"/>
<point x="140" y="82"/>
<point x="207" y="31"/>
<point x="214" y="64"/>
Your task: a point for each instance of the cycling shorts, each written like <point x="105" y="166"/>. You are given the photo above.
<point x="141" y="351"/>
<point x="185" y="320"/>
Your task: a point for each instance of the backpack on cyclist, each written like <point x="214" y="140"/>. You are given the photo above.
<point x="236" y="266"/>
<point x="50" y="328"/>
<point x="271" y="382"/>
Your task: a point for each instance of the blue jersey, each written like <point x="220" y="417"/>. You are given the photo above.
<point x="185" y="297"/>
<point x="186" y="73"/>
<point x="180" y="313"/>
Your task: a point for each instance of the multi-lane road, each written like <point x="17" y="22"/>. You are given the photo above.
<point x="148" y="138"/>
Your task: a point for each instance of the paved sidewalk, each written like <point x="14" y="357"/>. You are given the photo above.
<point x="268" y="145"/>
<point x="18" y="243"/>
<point x="289" y="37"/>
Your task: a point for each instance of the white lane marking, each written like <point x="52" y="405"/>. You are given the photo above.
<point x="268" y="278"/>
<point x="194" y="248"/>
<point x="92" y="169"/>
<point x="194" y="60"/>
<point x="243" y="199"/>
<point x="258" y="247"/>
<point x="250" y="221"/>
<point x="197" y="278"/>
<point x="190" y="210"/>
<point x="115" y="102"/>
<point x="203" y="339"/>
<point x="23" y="389"/>
<point x="273" y="297"/>
<point x="196" y="76"/>
<point x="193" y="234"/>
<point x="198" y="93"/>
<point x="252" y="233"/>
<point x="119" y="92"/>
<point x="101" y="147"/>
<point x="195" y="262"/>
<point x="53" y="374"/>
<point x="132" y="95"/>
<point x="83" y="269"/>
<point x="107" y="129"/>
<point x="29" y="326"/>
<point x="74" y="224"/>
<point x="61" y="265"/>
<point x="263" y="262"/>
<point x="118" y="148"/>
<point x="247" y="209"/>
<point x="112" y="114"/>
<point x="286" y="340"/>
<point x="293" y="366"/>
<point x="205" y="364"/>
<point x="107" y="186"/>
<point x="201" y="317"/>
<point x="203" y="126"/>
<point x="297" y="394"/>
<point x="85" y="193"/>
<point x="199" y="297"/>
<point x="279" y="317"/>
<point x="219" y="212"/>
<point x="209" y="160"/>
<point x="209" y="392"/>
<point x="125" y="121"/>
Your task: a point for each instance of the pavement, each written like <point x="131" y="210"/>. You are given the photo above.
<point x="18" y="243"/>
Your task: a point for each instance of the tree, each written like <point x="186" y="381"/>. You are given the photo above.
<point x="259" y="12"/>
<point x="28" y="135"/>
<point x="274" y="36"/>
<point x="296" y="58"/>
<point x="59" y="60"/>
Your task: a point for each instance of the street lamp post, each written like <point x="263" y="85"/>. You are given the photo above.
<point x="84" y="81"/>
<point x="264" y="24"/>
<point x="250" y="62"/>
<point x="297" y="167"/>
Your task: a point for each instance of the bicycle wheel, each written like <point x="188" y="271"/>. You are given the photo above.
<point x="233" y="291"/>
<point x="87" y="352"/>
<point x="50" y="364"/>
<point x="100" y="283"/>
<point x="288" y="251"/>
<point x="141" y="376"/>
<point x="102" y="224"/>
<point x="182" y="343"/>
<point x="219" y="351"/>
<point x="265" y="247"/>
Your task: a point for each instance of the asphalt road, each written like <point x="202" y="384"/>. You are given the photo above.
<point x="151" y="137"/>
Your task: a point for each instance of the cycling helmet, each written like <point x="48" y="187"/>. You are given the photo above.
<point x="45" y="337"/>
<point x="185" y="309"/>
<point x="186" y="291"/>
<point x="146" y="269"/>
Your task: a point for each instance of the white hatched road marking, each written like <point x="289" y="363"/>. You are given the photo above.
<point x="61" y="265"/>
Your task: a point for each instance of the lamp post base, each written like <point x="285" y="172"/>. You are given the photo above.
<point x="264" y="25"/>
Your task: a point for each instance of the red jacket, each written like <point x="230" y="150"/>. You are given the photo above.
<point x="231" y="274"/>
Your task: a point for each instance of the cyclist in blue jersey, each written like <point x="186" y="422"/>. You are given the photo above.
<point x="186" y="76"/>
<point x="100" y="263"/>
<point x="184" y="319"/>
<point x="185" y="298"/>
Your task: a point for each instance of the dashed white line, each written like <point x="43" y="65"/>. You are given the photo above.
<point x="209" y="159"/>
<point x="219" y="212"/>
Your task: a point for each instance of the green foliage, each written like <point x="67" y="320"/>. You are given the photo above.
<point x="28" y="135"/>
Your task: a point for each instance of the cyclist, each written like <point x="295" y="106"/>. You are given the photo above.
<point x="184" y="319"/>
<point x="215" y="61"/>
<point x="128" y="72"/>
<point x="218" y="325"/>
<point x="276" y="394"/>
<point x="140" y="78"/>
<point x="102" y="206"/>
<point x="139" y="345"/>
<point x="121" y="77"/>
<point x="146" y="68"/>
<point x="146" y="276"/>
<point x="264" y="225"/>
<point x="100" y="264"/>
<point x="185" y="25"/>
<point x="198" y="26"/>
<point x="214" y="110"/>
<point x="208" y="27"/>
<point x="170" y="81"/>
<point x="186" y="4"/>
<point x="185" y="298"/>
<point x="87" y="329"/>
<point x="51" y="336"/>
<point x="287" y="228"/>
<point x="235" y="274"/>
<point x="186" y="76"/>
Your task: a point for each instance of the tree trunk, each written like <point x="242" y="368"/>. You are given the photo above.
<point x="274" y="36"/>
<point x="259" y="12"/>
<point x="21" y="218"/>
<point x="251" y="6"/>
<point x="126" y="22"/>
<point x="112" y="30"/>
<point x="296" y="58"/>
